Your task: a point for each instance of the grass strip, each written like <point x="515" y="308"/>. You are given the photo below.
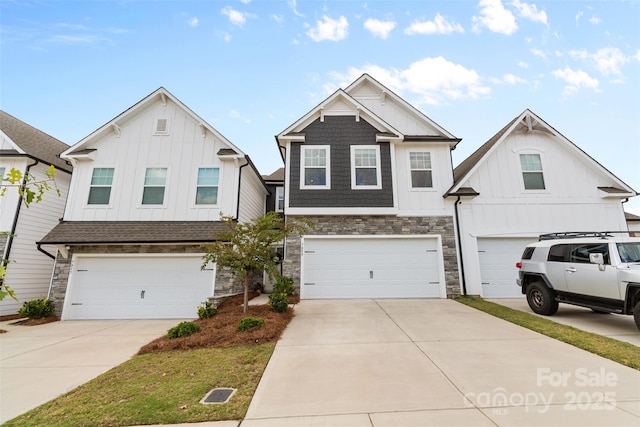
<point x="621" y="352"/>
<point x="159" y="388"/>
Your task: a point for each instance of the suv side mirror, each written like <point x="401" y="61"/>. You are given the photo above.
<point x="597" y="259"/>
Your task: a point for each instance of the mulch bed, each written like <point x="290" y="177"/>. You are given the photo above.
<point x="220" y="330"/>
<point x="27" y="322"/>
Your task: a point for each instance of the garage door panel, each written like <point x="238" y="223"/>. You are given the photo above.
<point x="138" y="287"/>
<point x="497" y="258"/>
<point x="371" y="268"/>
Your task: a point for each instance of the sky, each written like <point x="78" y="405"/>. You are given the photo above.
<point x="251" y="68"/>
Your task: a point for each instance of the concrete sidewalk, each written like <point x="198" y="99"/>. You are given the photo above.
<point x="433" y="362"/>
<point x="39" y="363"/>
<point x="618" y="326"/>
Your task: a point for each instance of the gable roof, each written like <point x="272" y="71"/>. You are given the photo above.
<point x="366" y="79"/>
<point x="345" y="101"/>
<point x="342" y="103"/>
<point x="159" y="94"/>
<point x="531" y="121"/>
<point x="32" y="142"/>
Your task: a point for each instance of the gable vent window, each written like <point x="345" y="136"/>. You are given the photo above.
<point x="161" y="127"/>
<point x="532" y="171"/>
<point x="100" y="189"/>
<point x="421" y="173"/>
<point x="154" y="184"/>
<point x="207" y="188"/>
<point x="365" y="167"/>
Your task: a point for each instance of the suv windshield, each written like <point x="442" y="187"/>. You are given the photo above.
<point x="629" y="252"/>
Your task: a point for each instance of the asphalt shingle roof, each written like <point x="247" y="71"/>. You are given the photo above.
<point x="34" y="142"/>
<point x="132" y="232"/>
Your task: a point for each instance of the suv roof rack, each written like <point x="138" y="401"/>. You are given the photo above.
<point x="579" y="234"/>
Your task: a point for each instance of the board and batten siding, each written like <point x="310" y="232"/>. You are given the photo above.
<point x="29" y="272"/>
<point x="423" y="201"/>
<point x="182" y="151"/>
<point x="252" y="197"/>
<point x="570" y="201"/>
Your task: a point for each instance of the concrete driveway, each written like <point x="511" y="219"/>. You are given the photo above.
<point x="433" y="362"/>
<point x="39" y="363"/>
<point x="616" y="326"/>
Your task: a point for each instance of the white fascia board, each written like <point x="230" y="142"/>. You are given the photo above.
<point x="6" y="138"/>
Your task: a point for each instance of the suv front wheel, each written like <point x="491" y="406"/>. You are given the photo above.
<point x="541" y="299"/>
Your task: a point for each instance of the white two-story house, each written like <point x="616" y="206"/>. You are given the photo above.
<point x="147" y="193"/>
<point x="28" y="267"/>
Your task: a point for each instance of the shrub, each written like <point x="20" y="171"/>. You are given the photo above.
<point x="284" y="284"/>
<point x="207" y="310"/>
<point x="250" y="322"/>
<point x="183" y="329"/>
<point x="37" y="308"/>
<point x="279" y="302"/>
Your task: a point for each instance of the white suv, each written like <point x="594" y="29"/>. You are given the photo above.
<point x="596" y="270"/>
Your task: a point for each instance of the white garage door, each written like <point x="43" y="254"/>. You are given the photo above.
<point x="498" y="270"/>
<point x="372" y="268"/>
<point x="137" y="287"/>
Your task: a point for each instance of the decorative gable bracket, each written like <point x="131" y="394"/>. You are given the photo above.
<point x="116" y="129"/>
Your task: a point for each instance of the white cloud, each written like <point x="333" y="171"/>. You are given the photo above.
<point x="578" y="16"/>
<point x="511" y="79"/>
<point x="522" y="64"/>
<point x="530" y="11"/>
<point x="609" y="61"/>
<point x="193" y="22"/>
<point x="245" y="1"/>
<point x="434" y="81"/>
<point x="293" y="4"/>
<point x="594" y="20"/>
<point x="378" y="28"/>
<point x="494" y="17"/>
<point x="236" y="17"/>
<point x="225" y="36"/>
<point x="439" y="25"/>
<point x="278" y="18"/>
<point x="329" y="29"/>
<point x="539" y="53"/>
<point x="575" y="80"/>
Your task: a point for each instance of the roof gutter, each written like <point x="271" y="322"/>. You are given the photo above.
<point x="462" y="278"/>
<point x="240" y="185"/>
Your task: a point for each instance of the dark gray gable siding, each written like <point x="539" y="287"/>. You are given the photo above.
<point x="340" y="133"/>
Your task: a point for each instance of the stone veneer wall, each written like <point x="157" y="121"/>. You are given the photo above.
<point x="226" y="282"/>
<point x="379" y="225"/>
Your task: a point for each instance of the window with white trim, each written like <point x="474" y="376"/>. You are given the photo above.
<point x="155" y="180"/>
<point x="207" y="186"/>
<point x="420" y="167"/>
<point x="279" y="199"/>
<point x="315" y="167"/>
<point x="100" y="187"/>
<point x="365" y="167"/>
<point x="532" y="175"/>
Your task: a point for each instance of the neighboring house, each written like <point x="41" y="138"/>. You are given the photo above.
<point x="27" y="149"/>
<point x="275" y="202"/>
<point x="369" y="170"/>
<point x="275" y="185"/>
<point x="528" y="179"/>
<point x="147" y="192"/>
<point x="633" y="223"/>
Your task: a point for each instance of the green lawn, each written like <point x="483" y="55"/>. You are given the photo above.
<point x="159" y="388"/>
<point x="622" y="352"/>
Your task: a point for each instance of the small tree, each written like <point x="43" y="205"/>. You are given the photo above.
<point x="30" y="189"/>
<point x="249" y="245"/>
